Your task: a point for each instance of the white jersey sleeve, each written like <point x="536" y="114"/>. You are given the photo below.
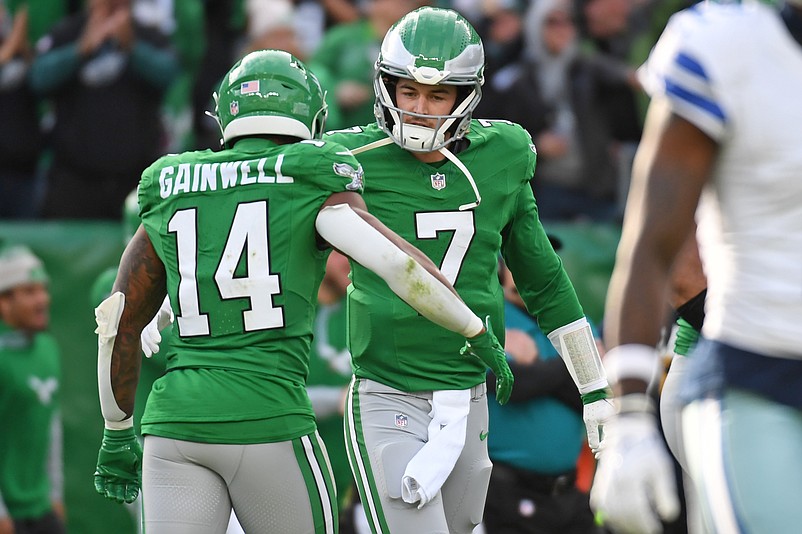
<point x="695" y="61"/>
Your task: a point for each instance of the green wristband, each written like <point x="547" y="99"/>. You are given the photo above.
<point x="595" y="395"/>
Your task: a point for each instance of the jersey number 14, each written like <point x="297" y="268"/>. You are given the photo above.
<point x="248" y="236"/>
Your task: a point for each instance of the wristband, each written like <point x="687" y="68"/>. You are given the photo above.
<point x="593" y="396"/>
<point x="635" y="403"/>
<point x="115" y="435"/>
<point x="632" y="361"/>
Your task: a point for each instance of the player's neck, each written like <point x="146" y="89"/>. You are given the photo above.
<point x="429" y="157"/>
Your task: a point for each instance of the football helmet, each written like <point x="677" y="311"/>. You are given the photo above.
<point x="430" y="46"/>
<point x="270" y="92"/>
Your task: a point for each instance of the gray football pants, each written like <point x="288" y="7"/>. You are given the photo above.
<point x="384" y="428"/>
<point x="283" y="487"/>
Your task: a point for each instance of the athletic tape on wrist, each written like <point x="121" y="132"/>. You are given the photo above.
<point x="107" y="316"/>
<point x="576" y="346"/>
<point x="119" y="425"/>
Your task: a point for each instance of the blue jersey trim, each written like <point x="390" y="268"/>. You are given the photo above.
<point x="691" y="65"/>
<point x="695" y="99"/>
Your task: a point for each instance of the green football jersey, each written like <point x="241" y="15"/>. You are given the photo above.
<point x="236" y="232"/>
<point x="389" y="341"/>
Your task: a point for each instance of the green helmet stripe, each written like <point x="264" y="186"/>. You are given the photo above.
<point x="436" y="36"/>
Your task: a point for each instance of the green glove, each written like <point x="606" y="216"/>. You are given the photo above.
<point x="118" y="474"/>
<point x="489" y="351"/>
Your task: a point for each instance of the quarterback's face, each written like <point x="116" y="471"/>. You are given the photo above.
<point x="424" y="99"/>
<point x="26" y="307"/>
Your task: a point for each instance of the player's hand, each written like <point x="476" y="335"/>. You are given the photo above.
<point x="118" y="474"/>
<point x="598" y="410"/>
<point x="489" y="351"/>
<point x="634" y="485"/>
<point x="151" y="334"/>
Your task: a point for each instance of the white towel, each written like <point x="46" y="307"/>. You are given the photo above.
<point x="428" y="470"/>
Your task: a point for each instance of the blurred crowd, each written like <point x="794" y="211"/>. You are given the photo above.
<point x="93" y="91"/>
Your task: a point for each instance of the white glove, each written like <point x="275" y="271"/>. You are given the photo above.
<point x="596" y="415"/>
<point x="634" y="485"/>
<point x="151" y="334"/>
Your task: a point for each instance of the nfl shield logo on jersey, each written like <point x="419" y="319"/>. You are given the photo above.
<point x="401" y="420"/>
<point x="234" y="107"/>
<point x="438" y="181"/>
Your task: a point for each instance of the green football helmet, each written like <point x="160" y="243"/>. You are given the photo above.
<point x="270" y="92"/>
<point x="430" y="46"/>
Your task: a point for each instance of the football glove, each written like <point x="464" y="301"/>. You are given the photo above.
<point x="118" y="474"/>
<point x="489" y="351"/>
<point x="634" y="485"/>
<point x="151" y="334"/>
<point x="598" y="409"/>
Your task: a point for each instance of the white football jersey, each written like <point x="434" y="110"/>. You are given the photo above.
<point x="736" y="73"/>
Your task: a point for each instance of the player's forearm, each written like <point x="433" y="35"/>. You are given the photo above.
<point x="422" y="259"/>
<point x="136" y="296"/>
<point x="429" y="295"/>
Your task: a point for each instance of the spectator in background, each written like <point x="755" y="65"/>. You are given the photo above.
<point x="347" y="55"/>
<point x="272" y="24"/>
<point x="20" y="137"/>
<point x="106" y="75"/>
<point x="612" y="29"/>
<point x="606" y="26"/>
<point x="278" y="28"/>
<point x="31" y="500"/>
<point x="536" y="439"/>
<point x="557" y="94"/>
<point x="223" y="26"/>
<point x="501" y="30"/>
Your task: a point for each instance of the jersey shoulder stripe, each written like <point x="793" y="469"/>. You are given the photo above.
<point x="699" y="56"/>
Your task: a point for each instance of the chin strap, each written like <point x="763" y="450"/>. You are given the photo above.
<point x="371" y="146"/>
<point x="456" y="161"/>
<point x="447" y="153"/>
